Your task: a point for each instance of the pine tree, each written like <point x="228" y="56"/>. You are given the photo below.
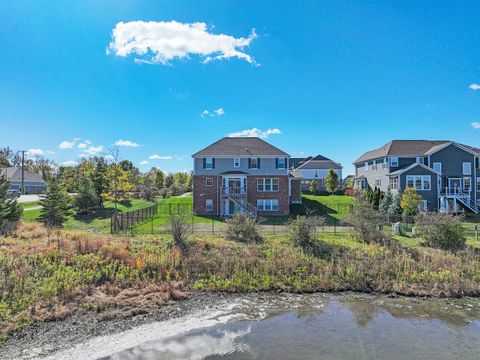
<point x="10" y="210"/>
<point x="395" y="208"/>
<point x="386" y="202"/>
<point x="332" y="182"/>
<point x="313" y="188"/>
<point x="87" y="200"/>
<point x="54" y="205"/>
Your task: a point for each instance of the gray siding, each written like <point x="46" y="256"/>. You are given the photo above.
<point x="452" y="159"/>
<point x="432" y="195"/>
<point x="372" y="175"/>
<point x="267" y="167"/>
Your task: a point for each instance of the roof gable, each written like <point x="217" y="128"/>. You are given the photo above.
<point x="240" y="146"/>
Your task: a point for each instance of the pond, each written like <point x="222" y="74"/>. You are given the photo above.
<point x="309" y="327"/>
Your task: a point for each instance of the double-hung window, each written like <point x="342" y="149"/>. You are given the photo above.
<point x="253" y="163"/>
<point x="394" y="183"/>
<point x="420" y="160"/>
<point x="208" y="204"/>
<point x="394" y="161"/>
<point x="374" y="165"/>
<point x="467" y="184"/>
<point x="236" y="162"/>
<point x="366" y="165"/>
<point x="208" y="163"/>
<point x="467" y="168"/>
<point x="208" y="181"/>
<point x="267" y="204"/>
<point x="437" y="166"/>
<point x="267" y="184"/>
<point x="281" y="163"/>
<point x="419" y="182"/>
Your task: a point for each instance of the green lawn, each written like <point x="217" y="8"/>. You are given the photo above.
<point x="29" y="205"/>
<point x="333" y="207"/>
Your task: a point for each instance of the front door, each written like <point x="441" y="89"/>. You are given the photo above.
<point x="454" y="185"/>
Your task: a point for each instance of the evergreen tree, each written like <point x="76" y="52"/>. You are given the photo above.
<point x="54" y="204"/>
<point x="169" y="181"/>
<point x="386" y="202"/>
<point x="331" y="182"/>
<point x="87" y="200"/>
<point x="395" y="208"/>
<point x="10" y="210"/>
<point x="313" y="188"/>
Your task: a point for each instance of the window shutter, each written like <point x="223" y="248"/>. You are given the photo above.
<point x="213" y="163"/>
<point x="204" y="163"/>
<point x="249" y="163"/>
<point x="276" y="163"/>
<point x="258" y="163"/>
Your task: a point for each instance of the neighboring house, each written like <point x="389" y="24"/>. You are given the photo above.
<point x="33" y="182"/>
<point x="315" y="168"/>
<point x="243" y="175"/>
<point x="445" y="173"/>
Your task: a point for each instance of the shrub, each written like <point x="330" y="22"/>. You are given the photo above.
<point x="395" y="208"/>
<point x="410" y="201"/>
<point x="175" y="190"/>
<point x="365" y="221"/>
<point x="302" y="230"/>
<point x="313" y="188"/>
<point x="10" y="210"/>
<point x="242" y="228"/>
<point x="438" y="230"/>
<point x="180" y="229"/>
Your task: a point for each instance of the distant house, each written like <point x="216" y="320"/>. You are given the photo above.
<point x="315" y="168"/>
<point x="243" y="175"/>
<point x="34" y="184"/>
<point x="445" y="173"/>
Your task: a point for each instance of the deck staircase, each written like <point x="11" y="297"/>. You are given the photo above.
<point x="239" y="197"/>
<point x="243" y="203"/>
<point x="469" y="204"/>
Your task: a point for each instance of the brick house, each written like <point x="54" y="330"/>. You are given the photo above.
<point x="243" y="175"/>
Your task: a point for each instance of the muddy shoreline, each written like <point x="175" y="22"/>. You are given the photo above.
<point x="51" y="338"/>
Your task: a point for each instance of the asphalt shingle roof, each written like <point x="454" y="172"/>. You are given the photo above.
<point x="240" y="146"/>
<point x="402" y="148"/>
<point x="15" y="175"/>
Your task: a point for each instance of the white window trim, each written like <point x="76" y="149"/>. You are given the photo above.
<point x="264" y="188"/>
<point x="236" y="162"/>
<point x="256" y="164"/>
<point x="420" y="160"/>
<point x="394" y="161"/>
<point x="390" y="183"/>
<point x="469" y="171"/>
<point x="284" y="163"/>
<point x="463" y="182"/>
<point x="366" y="165"/>
<point x="208" y="204"/>
<point x="262" y="204"/>
<point x="206" y="181"/>
<point x="211" y="163"/>
<point x="438" y="164"/>
<point x="423" y="178"/>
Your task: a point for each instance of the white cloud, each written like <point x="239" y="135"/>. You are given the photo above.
<point x="126" y="143"/>
<point x="158" y="157"/>
<point x="84" y="144"/>
<point x="35" y="152"/>
<point x="69" y="163"/>
<point x="66" y="145"/>
<point x="474" y="87"/>
<point x="92" y="150"/>
<point x="159" y="42"/>
<point x="144" y="162"/>
<point x="255" y="132"/>
<point x="214" y="113"/>
<point x="476" y="125"/>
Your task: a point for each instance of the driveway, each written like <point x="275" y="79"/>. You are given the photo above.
<point x="28" y="198"/>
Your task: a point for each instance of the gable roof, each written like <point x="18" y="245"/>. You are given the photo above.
<point x="14" y="174"/>
<point x="320" y="164"/>
<point x="403" y="148"/>
<point x="296" y="162"/>
<point x="240" y="146"/>
<point x="414" y="165"/>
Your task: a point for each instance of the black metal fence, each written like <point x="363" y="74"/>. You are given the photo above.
<point x="125" y="221"/>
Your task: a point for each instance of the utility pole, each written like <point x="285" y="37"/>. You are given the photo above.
<point x="23" y="172"/>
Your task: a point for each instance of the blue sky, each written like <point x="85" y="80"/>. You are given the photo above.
<point x="332" y="78"/>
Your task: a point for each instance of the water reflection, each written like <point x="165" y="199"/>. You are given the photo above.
<point x="192" y="347"/>
<point x="322" y="327"/>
